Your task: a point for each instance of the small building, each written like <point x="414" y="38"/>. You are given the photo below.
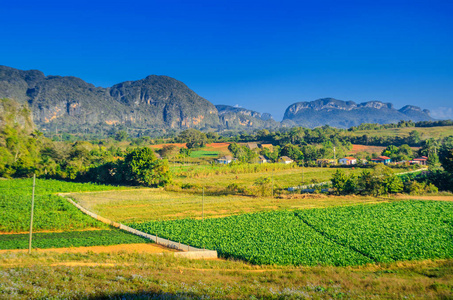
<point x="347" y="161"/>
<point x="422" y="160"/>
<point x="382" y="160"/>
<point x="270" y="147"/>
<point x="325" y="161"/>
<point x="262" y="159"/>
<point x="225" y="159"/>
<point x="252" y="146"/>
<point x="285" y="160"/>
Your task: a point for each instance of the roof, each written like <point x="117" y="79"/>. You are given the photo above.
<point x="421" y="158"/>
<point x="262" y="157"/>
<point x="226" y="157"/>
<point x="381" y="158"/>
<point x="252" y="146"/>
<point x="285" y="158"/>
<point x="266" y="145"/>
<point x="350" y="158"/>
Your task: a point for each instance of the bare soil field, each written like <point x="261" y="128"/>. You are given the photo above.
<point x="128" y="248"/>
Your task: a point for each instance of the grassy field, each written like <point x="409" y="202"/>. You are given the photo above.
<point x="425" y="132"/>
<point x="284" y="176"/>
<point x="151" y="204"/>
<point x="146" y="276"/>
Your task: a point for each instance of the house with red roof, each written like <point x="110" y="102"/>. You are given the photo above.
<point x="382" y="160"/>
<point x="347" y="161"/>
<point x="422" y="160"/>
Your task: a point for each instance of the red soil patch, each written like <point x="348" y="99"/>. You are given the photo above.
<point x="129" y="248"/>
<point x="160" y="146"/>
<point x="370" y="149"/>
<point x="218" y="145"/>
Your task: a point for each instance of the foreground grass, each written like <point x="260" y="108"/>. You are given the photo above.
<point x="153" y="204"/>
<point x="144" y="276"/>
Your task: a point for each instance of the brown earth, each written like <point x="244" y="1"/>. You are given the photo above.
<point x="129" y="248"/>
<point x="435" y="198"/>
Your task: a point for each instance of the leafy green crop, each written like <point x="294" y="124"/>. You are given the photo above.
<point x="69" y="239"/>
<point x="51" y="212"/>
<point x="342" y="236"/>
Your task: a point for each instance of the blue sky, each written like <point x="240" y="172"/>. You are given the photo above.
<point x="262" y="55"/>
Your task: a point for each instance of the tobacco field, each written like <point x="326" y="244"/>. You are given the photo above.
<point x="51" y="212"/>
<point x="69" y="239"/>
<point x="340" y="236"/>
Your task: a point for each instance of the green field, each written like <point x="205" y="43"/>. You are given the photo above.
<point x="425" y="132"/>
<point x="69" y="239"/>
<point x="51" y="212"/>
<point x="204" y="153"/>
<point x="397" y="231"/>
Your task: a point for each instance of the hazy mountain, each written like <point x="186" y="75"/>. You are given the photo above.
<point x="159" y="103"/>
<point x="153" y="102"/>
<point x="344" y="114"/>
<point x="237" y="117"/>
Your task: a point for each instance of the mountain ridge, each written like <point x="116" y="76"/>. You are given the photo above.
<point x="345" y="114"/>
<point x="159" y="103"/>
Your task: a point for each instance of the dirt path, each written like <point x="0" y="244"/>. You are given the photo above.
<point x="130" y="248"/>
<point x="436" y="198"/>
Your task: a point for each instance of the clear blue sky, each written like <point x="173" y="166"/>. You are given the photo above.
<point x="262" y="55"/>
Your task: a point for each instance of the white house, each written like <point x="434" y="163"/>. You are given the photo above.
<point x="348" y="161"/>
<point x="285" y="160"/>
<point x="225" y="159"/>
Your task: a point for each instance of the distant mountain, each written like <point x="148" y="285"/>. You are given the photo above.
<point x="153" y="102"/>
<point x="345" y="114"/>
<point x="156" y="104"/>
<point x="237" y="117"/>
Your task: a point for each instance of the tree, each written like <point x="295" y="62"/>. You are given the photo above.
<point x="342" y="183"/>
<point x="193" y="138"/>
<point x="121" y="136"/>
<point x="141" y="167"/>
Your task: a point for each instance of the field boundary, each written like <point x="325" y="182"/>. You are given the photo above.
<point x="187" y="250"/>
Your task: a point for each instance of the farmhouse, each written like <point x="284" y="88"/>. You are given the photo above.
<point x="262" y="159"/>
<point x="252" y="146"/>
<point x="348" y="161"/>
<point x="285" y="160"/>
<point x="325" y="161"/>
<point x="420" y="161"/>
<point x="382" y="160"/>
<point x="267" y="146"/>
<point x="225" y="159"/>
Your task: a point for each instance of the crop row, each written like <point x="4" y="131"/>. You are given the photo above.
<point x="51" y="212"/>
<point x="69" y="239"/>
<point x="353" y="235"/>
<point x="261" y="238"/>
<point x="408" y="230"/>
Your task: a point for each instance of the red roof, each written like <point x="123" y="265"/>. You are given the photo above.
<point x="421" y="158"/>
<point x="381" y="158"/>
<point x="350" y="158"/>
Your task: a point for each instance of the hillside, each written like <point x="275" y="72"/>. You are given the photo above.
<point x="345" y="114"/>
<point x="158" y="102"/>
<point x="237" y="117"/>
